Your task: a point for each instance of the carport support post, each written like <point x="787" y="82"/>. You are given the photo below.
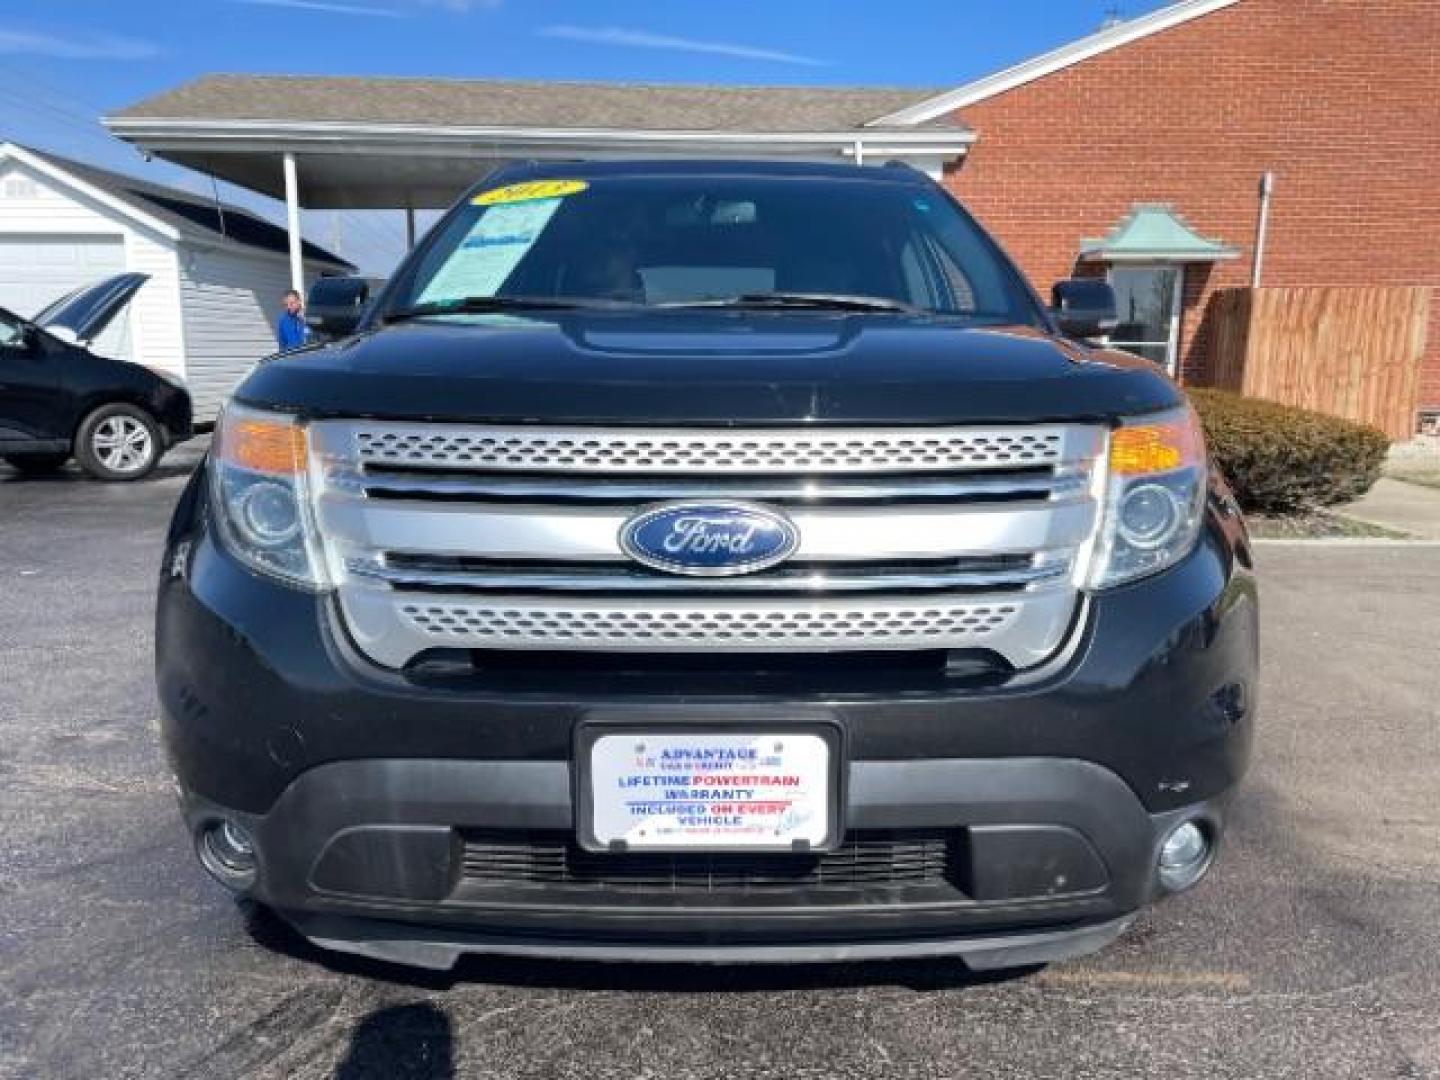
<point x="409" y="227"/>
<point x="292" y="223"/>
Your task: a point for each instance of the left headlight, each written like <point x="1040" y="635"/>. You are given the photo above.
<point x="259" y="480"/>
<point x="1154" y="503"/>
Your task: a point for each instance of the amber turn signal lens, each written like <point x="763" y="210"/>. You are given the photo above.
<point x="263" y="446"/>
<point x="1153" y="448"/>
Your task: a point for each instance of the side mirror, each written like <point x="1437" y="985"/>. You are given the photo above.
<point x="335" y="305"/>
<point x="1084" y="307"/>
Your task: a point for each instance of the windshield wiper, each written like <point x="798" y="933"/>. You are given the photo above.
<point x="802" y="300"/>
<point x="471" y="305"/>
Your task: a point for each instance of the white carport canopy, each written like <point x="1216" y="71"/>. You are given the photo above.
<point x="360" y="143"/>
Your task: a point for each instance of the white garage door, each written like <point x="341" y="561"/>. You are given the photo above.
<point x="35" y="270"/>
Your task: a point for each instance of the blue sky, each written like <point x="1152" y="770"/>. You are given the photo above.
<point x="62" y="66"/>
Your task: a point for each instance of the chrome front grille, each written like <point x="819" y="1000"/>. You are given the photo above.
<point x="462" y="536"/>
<point x="556" y="625"/>
<point x="407" y="482"/>
<point x="429" y="573"/>
<point x="577" y="450"/>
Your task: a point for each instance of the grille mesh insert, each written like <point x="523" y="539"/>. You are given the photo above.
<point x="711" y="451"/>
<point x="534" y="860"/>
<point x="462" y="622"/>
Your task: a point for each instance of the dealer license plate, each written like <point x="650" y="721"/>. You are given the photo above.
<point x="718" y="790"/>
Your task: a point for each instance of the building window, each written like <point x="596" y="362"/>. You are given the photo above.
<point x="19" y="187"/>
<point x="1147" y="298"/>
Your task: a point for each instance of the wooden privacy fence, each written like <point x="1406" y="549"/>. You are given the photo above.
<point x="1349" y="352"/>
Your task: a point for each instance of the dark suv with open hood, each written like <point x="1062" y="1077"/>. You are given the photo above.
<point x="59" y="399"/>
<point x="708" y="561"/>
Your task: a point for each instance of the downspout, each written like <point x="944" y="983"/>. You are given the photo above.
<point x="859" y="152"/>
<point x="1262" y="228"/>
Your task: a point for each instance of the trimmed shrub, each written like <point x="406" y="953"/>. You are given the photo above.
<point x="1280" y="459"/>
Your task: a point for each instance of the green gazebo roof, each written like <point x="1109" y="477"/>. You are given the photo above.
<point x="1154" y="232"/>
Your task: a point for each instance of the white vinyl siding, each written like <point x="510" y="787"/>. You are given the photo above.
<point x="36" y="270"/>
<point x="155" y="312"/>
<point x="54" y="239"/>
<point x="208" y="312"/>
<point x="231" y="303"/>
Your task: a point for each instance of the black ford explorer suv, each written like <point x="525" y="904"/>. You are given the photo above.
<point x="709" y="561"/>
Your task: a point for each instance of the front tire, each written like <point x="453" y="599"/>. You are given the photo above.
<point x="36" y="464"/>
<point x="118" y="442"/>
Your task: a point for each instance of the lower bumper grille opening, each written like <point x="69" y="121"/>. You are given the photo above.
<point x="719" y="673"/>
<point x="909" y="859"/>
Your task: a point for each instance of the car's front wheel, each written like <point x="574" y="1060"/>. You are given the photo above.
<point x="36" y="464"/>
<point x="119" y="442"/>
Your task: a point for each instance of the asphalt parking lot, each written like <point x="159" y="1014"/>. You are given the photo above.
<point x="1313" y="951"/>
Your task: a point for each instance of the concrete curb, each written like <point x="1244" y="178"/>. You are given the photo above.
<point x="1341" y="541"/>
<point x="1394" y="504"/>
<point x="1356" y="519"/>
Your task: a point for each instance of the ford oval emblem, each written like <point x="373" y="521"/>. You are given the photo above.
<point x="709" y="539"/>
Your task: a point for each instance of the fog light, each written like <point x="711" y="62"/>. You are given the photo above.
<point x="228" y="852"/>
<point x="1184" y="856"/>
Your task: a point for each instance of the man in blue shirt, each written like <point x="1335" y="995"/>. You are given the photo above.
<point x="290" y="331"/>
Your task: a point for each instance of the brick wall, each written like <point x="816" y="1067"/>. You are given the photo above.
<point x="1340" y="98"/>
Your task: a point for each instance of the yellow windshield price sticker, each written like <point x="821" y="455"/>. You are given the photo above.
<point x="529" y="191"/>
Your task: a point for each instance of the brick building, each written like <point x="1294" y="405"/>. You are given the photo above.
<point x="1136" y="152"/>
<point x="1188" y="108"/>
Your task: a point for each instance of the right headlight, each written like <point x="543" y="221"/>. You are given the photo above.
<point x="259" y="479"/>
<point x="1154" y="501"/>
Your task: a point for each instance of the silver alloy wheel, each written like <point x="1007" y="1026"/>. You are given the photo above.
<point x="122" y="444"/>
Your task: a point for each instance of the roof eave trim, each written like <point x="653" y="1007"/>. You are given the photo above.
<point x="1172" y="255"/>
<point x="60" y="175"/>
<point x="235" y="247"/>
<point x="1055" y="60"/>
<point x="180" y="129"/>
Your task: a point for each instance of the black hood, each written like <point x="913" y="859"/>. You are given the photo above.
<point x="85" y="313"/>
<point x="708" y="367"/>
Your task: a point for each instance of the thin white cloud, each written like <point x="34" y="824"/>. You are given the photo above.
<point x="643" y="39"/>
<point x="463" y="6"/>
<point x="326" y="8"/>
<point x="75" y="46"/>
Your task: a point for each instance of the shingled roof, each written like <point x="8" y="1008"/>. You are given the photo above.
<point x="494" y="103"/>
<point x="194" y="217"/>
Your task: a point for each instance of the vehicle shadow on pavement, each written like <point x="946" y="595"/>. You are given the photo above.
<point x="400" y="1042"/>
<point x="71" y="474"/>
<point x="920" y="976"/>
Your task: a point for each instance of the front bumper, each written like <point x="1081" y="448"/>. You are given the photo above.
<point x="1046" y="859"/>
<point x="439" y="949"/>
<point x="363" y="787"/>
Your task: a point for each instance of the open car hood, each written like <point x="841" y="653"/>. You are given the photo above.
<point x="84" y="314"/>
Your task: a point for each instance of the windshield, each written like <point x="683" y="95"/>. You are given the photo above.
<point x="12" y="329"/>
<point x="679" y="240"/>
